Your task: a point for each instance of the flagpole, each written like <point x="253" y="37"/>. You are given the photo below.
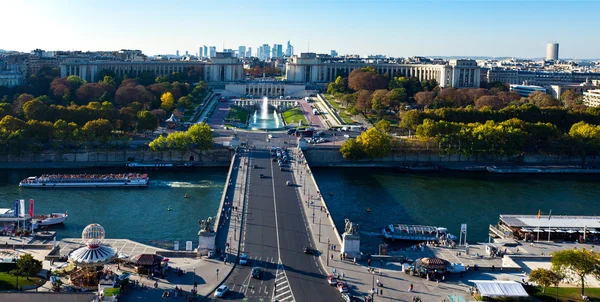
<point x="538" y="227"/>
<point x="549" y="222"/>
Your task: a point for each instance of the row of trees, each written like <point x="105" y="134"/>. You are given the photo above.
<point x="373" y="143"/>
<point x="566" y="265"/>
<point x="563" y="118"/>
<point x="511" y="137"/>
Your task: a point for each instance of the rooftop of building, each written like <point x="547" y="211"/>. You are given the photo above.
<point x="555" y="221"/>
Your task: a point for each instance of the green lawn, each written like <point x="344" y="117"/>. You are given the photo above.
<point x="341" y="112"/>
<point x="564" y="293"/>
<point x="237" y="114"/>
<point x="292" y="116"/>
<point x="8" y="281"/>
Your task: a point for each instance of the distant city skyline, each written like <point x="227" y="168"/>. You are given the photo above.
<point x="392" y="28"/>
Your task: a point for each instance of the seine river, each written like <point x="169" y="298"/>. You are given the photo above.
<point x="442" y="199"/>
<point x="135" y="213"/>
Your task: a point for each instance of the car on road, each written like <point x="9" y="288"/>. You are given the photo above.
<point x="288" y="183"/>
<point x="256" y="273"/>
<point x="244" y="259"/>
<point x="332" y="280"/>
<point x="261" y="175"/>
<point x="291" y="131"/>
<point x="255" y="166"/>
<point x="342" y="287"/>
<point x="308" y="250"/>
<point x="221" y="291"/>
<point x="347" y="297"/>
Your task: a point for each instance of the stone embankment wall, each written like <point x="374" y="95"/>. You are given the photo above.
<point x="218" y="157"/>
<point x="329" y="157"/>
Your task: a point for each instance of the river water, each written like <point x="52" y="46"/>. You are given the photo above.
<point x="449" y="198"/>
<point x="441" y="199"/>
<point x="139" y="214"/>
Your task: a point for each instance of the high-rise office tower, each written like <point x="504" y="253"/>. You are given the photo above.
<point x="274" y="51"/>
<point x="289" y="51"/>
<point x="205" y="51"/>
<point x="552" y="51"/>
<point x="177" y="53"/>
<point x="186" y="53"/>
<point x="200" y="52"/>
<point x="249" y="52"/>
<point x="334" y="53"/>
<point x="212" y="51"/>
<point x="242" y="51"/>
<point x="264" y="52"/>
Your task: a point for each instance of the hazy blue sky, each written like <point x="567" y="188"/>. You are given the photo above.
<point x="392" y="27"/>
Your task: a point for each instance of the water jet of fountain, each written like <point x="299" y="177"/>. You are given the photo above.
<point x="264" y="110"/>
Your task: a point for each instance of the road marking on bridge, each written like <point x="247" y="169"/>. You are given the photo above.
<point x="282" y="291"/>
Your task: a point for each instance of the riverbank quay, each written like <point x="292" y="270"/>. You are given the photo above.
<point x="216" y="157"/>
<point x="200" y="271"/>
<point x="519" y="259"/>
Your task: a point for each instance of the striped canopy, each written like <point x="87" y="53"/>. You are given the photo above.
<point x="92" y="255"/>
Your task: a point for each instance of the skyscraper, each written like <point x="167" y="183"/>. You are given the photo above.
<point x="277" y="50"/>
<point x="334" y="53"/>
<point x="205" y="51"/>
<point x="289" y="51"/>
<point x="274" y="51"/>
<point x="177" y="53"/>
<point x="200" y="49"/>
<point x="186" y="53"/>
<point x="242" y="51"/>
<point x="264" y="52"/>
<point x="249" y="52"/>
<point x="552" y="51"/>
<point x="213" y="51"/>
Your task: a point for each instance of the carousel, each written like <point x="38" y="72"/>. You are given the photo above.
<point x="431" y="268"/>
<point x="88" y="261"/>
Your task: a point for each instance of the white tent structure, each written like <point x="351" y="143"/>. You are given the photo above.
<point x="498" y="288"/>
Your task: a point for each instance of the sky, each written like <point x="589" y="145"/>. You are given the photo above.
<point x="394" y="28"/>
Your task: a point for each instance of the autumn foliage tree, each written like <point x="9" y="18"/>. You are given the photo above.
<point x="366" y="80"/>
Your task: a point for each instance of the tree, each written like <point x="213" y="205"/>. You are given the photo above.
<point x="542" y="99"/>
<point x="411" y="119"/>
<point x="383" y="125"/>
<point x="98" y="129"/>
<point x="351" y="149"/>
<point x="28" y="266"/>
<point x="369" y="80"/>
<point x="185" y="102"/>
<point x="571" y="99"/>
<point x="425" y="98"/>
<point x="5" y="109"/>
<point x="201" y="136"/>
<point x="544" y="277"/>
<point x="375" y="142"/>
<point x="146" y="121"/>
<point x="397" y="96"/>
<point x="11" y="124"/>
<point x="491" y="101"/>
<point x="581" y="262"/>
<point x="167" y="102"/>
<point x="380" y="100"/>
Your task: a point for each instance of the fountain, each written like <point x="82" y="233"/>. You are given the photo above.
<point x="265" y="120"/>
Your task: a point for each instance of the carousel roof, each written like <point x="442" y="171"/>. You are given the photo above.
<point x="432" y="263"/>
<point x="92" y="255"/>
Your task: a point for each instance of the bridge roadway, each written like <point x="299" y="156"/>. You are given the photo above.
<point x="274" y="236"/>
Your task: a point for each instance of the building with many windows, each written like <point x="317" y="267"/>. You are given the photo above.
<point x="539" y="77"/>
<point x="222" y="68"/>
<point x="591" y="98"/>
<point x="312" y="69"/>
<point x="526" y="90"/>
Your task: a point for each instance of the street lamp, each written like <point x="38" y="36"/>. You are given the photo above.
<point x="327" y="251"/>
<point x="319" y="229"/>
<point x="373" y="284"/>
<point x="313" y="206"/>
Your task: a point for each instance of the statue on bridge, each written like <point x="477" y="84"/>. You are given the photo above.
<point x="351" y="228"/>
<point x="206" y="225"/>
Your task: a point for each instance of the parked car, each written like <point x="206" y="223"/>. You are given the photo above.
<point x="221" y="291"/>
<point x="291" y="131"/>
<point x="342" y="287"/>
<point x="307" y="250"/>
<point x="288" y="183"/>
<point x="261" y="176"/>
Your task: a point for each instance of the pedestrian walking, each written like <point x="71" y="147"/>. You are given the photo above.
<point x="369" y="263"/>
<point x="381" y="292"/>
<point x="331" y="257"/>
<point x="410" y="288"/>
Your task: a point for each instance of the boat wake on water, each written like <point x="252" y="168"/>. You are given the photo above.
<point x="182" y="184"/>
<point x="372" y="234"/>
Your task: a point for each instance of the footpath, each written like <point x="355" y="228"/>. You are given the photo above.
<point x="360" y="279"/>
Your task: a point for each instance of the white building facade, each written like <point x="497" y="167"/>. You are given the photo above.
<point x="310" y="69"/>
<point x="591" y="98"/>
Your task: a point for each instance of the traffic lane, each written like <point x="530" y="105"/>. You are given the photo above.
<point x="307" y="111"/>
<point x="260" y="239"/>
<point x="307" y="280"/>
<point x="217" y="120"/>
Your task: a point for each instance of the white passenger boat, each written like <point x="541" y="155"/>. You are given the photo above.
<point x="86" y="180"/>
<point x="50" y="219"/>
<point x="160" y="165"/>
<point x="415" y="232"/>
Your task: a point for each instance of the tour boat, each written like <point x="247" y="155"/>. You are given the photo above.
<point x="415" y="232"/>
<point x="544" y="170"/>
<point x="86" y="180"/>
<point x="50" y="219"/>
<point x="184" y="165"/>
